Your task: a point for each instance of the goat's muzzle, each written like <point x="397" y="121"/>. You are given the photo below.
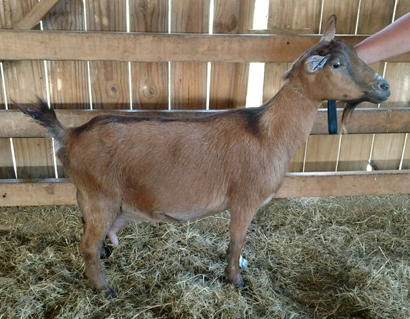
<point x="383" y="90"/>
<point x="380" y="92"/>
<point x="384" y="86"/>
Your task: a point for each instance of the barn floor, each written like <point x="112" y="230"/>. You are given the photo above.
<point x="309" y="258"/>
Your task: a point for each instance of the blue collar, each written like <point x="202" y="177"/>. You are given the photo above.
<point x="332" y="117"/>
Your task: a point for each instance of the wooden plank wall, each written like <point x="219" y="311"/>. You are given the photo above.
<point x="67" y="80"/>
<point x="355" y="150"/>
<point x="110" y="88"/>
<point x="228" y="86"/>
<point x="322" y="151"/>
<point x="23" y="80"/>
<point x="149" y="80"/>
<point x="388" y="148"/>
<point x="402" y="8"/>
<point x="347" y="14"/>
<point x="6" y="160"/>
<point x="383" y="13"/>
<point x="183" y="85"/>
<point x="188" y="79"/>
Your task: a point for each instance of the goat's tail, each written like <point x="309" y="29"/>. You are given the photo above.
<point x="45" y="117"/>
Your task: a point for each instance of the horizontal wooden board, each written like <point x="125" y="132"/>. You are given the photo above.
<point x="62" y="191"/>
<point x="29" y="192"/>
<point x="149" y="47"/>
<point x="345" y="184"/>
<point x="363" y="121"/>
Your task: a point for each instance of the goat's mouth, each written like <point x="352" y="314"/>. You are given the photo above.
<point x="376" y="97"/>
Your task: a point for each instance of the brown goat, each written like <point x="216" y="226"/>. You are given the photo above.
<point x="167" y="170"/>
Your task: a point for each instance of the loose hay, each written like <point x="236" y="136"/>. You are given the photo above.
<point x="309" y="258"/>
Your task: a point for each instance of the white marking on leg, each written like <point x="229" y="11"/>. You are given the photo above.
<point x="243" y="263"/>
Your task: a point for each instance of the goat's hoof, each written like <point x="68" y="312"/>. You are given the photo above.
<point x="109" y="293"/>
<point x="239" y="284"/>
<point x="236" y="280"/>
<point x="105" y="252"/>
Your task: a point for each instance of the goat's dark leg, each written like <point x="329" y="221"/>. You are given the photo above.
<point x="240" y="220"/>
<point x="98" y="216"/>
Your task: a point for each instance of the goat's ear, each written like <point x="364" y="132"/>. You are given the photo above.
<point x="330" y="29"/>
<point x="316" y="62"/>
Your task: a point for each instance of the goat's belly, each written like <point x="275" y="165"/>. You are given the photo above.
<point x="168" y="215"/>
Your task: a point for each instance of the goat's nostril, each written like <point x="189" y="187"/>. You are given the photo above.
<point x="384" y="85"/>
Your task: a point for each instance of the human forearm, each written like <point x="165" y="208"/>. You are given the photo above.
<point x="391" y="41"/>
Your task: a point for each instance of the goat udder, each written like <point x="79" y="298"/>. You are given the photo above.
<point x="119" y="223"/>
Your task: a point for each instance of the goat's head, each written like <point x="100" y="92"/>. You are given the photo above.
<point x="331" y="70"/>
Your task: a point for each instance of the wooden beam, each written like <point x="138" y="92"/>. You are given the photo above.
<point x="345" y="184"/>
<point x="63" y="192"/>
<point x="17" y="192"/>
<point x="31" y="19"/>
<point x="363" y="120"/>
<point x="367" y="121"/>
<point x="149" y="47"/>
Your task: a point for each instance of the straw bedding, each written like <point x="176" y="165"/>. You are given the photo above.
<point x="308" y="258"/>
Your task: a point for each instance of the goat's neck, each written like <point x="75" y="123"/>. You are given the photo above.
<point x="289" y="117"/>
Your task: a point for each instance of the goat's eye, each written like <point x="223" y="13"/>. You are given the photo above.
<point x="336" y="65"/>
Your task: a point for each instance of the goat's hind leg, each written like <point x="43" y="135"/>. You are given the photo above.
<point x="99" y="215"/>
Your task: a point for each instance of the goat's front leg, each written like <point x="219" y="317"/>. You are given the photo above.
<point x="240" y="221"/>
